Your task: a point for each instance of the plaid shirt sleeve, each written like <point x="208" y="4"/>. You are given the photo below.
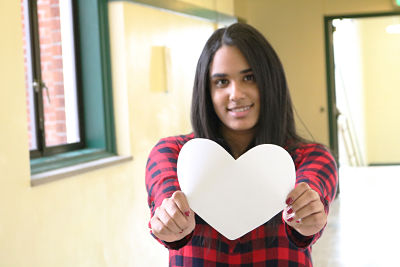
<point x="315" y="166"/>
<point x="161" y="178"/>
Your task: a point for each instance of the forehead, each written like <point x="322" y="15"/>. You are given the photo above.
<point x="228" y="59"/>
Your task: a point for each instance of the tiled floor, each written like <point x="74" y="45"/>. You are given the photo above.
<point x="364" y="222"/>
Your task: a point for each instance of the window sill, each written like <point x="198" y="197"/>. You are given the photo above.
<point x="68" y="171"/>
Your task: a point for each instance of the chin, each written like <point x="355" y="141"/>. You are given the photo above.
<point x="243" y="128"/>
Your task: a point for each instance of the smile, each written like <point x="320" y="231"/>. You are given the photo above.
<point x="240" y="109"/>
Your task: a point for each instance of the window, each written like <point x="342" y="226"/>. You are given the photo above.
<point x="68" y="82"/>
<point x="51" y="77"/>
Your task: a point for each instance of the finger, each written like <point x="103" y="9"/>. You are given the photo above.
<point x="158" y="228"/>
<point x="305" y="199"/>
<point x="317" y="220"/>
<point x="162" y="232"/>
<point x="309" y="209"/>
<point x="288" y="215"/>
<point x="175" y="213"/>
<point x="169" y="222"/>
<point x="182" y="203"/>
<point x="297" y="192"/>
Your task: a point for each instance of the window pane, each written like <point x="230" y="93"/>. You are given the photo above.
<point x="57" y="57"/>
<point x="30" y="111"/>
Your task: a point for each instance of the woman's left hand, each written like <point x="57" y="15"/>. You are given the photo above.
<point x="305" y="212"/>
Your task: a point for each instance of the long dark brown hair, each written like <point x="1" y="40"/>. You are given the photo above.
<point x="276" y="122"/>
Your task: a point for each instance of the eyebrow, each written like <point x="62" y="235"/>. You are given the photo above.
<point x="221" y="75"/>
<point x="246" y="71"/>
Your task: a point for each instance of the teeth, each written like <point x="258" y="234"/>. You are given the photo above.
<point x="240" y="109"/>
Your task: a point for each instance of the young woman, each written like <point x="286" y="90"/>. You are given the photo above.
<point x="240" y="100"/>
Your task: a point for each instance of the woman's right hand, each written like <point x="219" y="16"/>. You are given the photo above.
<point x="174" y="219"/>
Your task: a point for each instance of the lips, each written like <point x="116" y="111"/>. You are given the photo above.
<point x="240" y="112"/>
<point x="239" y="108"/>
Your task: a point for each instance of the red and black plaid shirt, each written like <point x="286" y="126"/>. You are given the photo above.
<point x="271" y="244"/>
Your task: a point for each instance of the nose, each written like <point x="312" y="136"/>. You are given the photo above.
<point x="236" y="92"/>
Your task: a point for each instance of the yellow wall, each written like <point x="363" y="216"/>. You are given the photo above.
<point x="152" y="113"/>
<point x="296" y="31"/>
<point x="223" y="6"/>
<point x="97" y="218"/>
<point x="85" y="220"/>
<point x="381" y="57"/>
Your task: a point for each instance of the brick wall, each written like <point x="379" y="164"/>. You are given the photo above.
<point x="52" y="72"/>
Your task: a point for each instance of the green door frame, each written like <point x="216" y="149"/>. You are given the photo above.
<point x="333" y="112"/>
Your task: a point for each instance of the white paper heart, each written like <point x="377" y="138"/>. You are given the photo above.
<point x="235" y="196"/>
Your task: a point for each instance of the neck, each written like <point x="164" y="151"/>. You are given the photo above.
<point x="237" y="141"/>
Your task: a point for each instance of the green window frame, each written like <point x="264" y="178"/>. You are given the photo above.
<point x="94" y="67"/>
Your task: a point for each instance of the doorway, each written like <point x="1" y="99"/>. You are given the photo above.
<point x="363" y="63"/>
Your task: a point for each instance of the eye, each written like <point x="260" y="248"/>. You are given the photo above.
<point x="249" y="77"/>
<point x="221" y="82"/>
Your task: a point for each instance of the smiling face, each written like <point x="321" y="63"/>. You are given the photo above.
<point x="234" y="92"/>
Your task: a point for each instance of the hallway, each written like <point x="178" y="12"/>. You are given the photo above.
<point x="362" y="226"/>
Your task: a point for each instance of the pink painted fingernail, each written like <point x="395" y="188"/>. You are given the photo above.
<point x="187" y="213"/>
<point x="298" y="221"/>
<point x="290" y="219"/>
<point x="289" y="201"/>
<point x="290" y="210"/>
